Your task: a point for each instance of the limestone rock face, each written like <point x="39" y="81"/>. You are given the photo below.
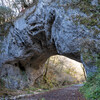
<point x="48" y="28"/>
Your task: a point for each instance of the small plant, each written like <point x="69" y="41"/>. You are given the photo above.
<point x="43" y="99"/>
<point x="28" y="92"/>
<point x="1" y="82"/>
<point x="33" y="88"/>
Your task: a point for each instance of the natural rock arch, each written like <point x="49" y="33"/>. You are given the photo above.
<point x="42" y="31"/>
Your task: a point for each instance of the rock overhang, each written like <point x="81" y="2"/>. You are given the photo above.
<point x="48" y="30"/>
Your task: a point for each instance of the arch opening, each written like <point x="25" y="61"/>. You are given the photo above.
<point x="60" y="71"/>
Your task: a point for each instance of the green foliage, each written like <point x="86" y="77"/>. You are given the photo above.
<point x="91" y="89"/>
<point x="90" y="56"/>
<point x="1" y="82"/>
<point x="92" y="18"/>
<point x="98" y="61"/>
<point x="89" y="22"/>
<point x="86" y="7"/>
<point x="47" y="82"/>
<point x="5" y="14"/>
<point x="43" y="99"/>
<point x="31" y="90"/>
<point x="5" y="10"/>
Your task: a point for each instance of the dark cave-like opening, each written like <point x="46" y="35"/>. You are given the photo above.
<point x="22" y="68"/>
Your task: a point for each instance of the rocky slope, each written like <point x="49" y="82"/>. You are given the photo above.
<point x="69" y="27"/>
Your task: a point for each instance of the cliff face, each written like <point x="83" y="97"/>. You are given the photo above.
<point x="51" y="27"/>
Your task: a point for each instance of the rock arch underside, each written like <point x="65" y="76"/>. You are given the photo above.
<point x="46" y="29"/>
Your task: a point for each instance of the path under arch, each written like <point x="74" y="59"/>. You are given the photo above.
<point x="67" y="93"/>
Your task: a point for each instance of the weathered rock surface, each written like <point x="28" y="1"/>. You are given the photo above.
<point x="51" y="27"/>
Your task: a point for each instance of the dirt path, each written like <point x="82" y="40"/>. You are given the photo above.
<point x="68" y="93"/>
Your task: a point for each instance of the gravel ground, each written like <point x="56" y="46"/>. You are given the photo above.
<point x="68" y="93"/>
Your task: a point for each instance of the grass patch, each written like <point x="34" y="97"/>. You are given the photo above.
<point x="91" y="88"/>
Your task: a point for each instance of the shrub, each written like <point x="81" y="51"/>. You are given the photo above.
<point x="91" y="88"/>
